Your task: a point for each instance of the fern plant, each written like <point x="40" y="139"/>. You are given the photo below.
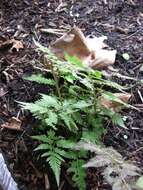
<point x="53" y="153"/>
<point x="79" y="174"/>
<point x="117" y="172"/>
<point x="70" y="112"/>
<point x="56" y="149"/>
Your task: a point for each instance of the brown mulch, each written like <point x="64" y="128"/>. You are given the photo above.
<point x="121" y="21"/>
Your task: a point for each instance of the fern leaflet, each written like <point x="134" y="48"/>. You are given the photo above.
<point x="40" y="79"/>
<point x="79" y="173"/>
<point x="53" y="153"/>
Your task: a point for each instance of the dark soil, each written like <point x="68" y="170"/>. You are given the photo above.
<point x="121" y="21"/>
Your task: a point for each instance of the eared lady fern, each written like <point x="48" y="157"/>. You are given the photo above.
<point x="70" y="112"/>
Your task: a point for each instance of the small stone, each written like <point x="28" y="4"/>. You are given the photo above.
<point x="125" y="137"/>
<point x="126" y="56"/>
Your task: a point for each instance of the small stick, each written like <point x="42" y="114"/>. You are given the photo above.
<point x="140" y="95"/>
<point x="47" y="184"/>
<point x="53" y="31"/>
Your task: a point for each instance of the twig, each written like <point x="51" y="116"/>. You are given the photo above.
<point x="120" y="76"/>
<point x="53" y="31"/>
<point x="140" y="95"/>
<point x="61" y="186"/>
<point x="47" y="184"/>
<point x="127" y="37"/>
<point x="49" y="65"/>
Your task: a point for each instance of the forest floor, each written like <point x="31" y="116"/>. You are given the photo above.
<point x="121" y="21"/>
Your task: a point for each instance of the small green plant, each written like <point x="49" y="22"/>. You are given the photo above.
<point x="70" y="112"/>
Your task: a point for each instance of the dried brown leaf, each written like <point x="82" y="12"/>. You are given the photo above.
<point x="88" y="50"/>
<point x="103" y="58"/>
<point x="73" y="43"/>
<point x="11" y="44"/>
<point x="124" y="97"/>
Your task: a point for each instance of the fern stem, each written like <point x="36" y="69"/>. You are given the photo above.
<point x="57" y="86"/>
<point x="55" y="77"/>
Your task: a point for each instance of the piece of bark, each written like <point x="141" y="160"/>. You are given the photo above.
<point x="13" y="124"/>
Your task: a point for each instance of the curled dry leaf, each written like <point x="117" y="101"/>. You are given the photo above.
<point x="13" y="124"/>
<point x="113" y="105"/>
<point x="88" y="50"/>
<point x="13" y="45"/>
<point x="73" y="43"/>
<point x="103" y="59"/>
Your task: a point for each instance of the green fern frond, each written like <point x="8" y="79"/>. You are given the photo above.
<point x="77" y="118"/>
<point x="52" y="119"/>
<point x="69" y="122"/>
<point x="55" y="161"/>
<point x="40" y="79"/>
<point x="41" y="109"/>
<point x="73" y="104"/>
<point x="79" y="173"/>
<point x="74" y="60"/>
<point x="48" y="53"/>
<point x="34" y="108"/>
<point x="48" y="101"/>
<point x="51" y="150"/>
<point x="118" y="120"/>
<point x="42" y="138"/>
<point x="82" y="104"/>
<point x="43" y="147"/>
<point x="68" y="144"/>
<point x="91" y="136"/>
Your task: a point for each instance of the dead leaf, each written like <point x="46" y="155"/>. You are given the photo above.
<point x="13" y="124"/>
<point x="124" y="97"/>
<point x="88" y="50"/>
<point x="103" y="59"/>
<point x="73" y="43"/>
<point x="13" y="45"/>
<point x="96" y="43"/>
<point x="17" y="45"/>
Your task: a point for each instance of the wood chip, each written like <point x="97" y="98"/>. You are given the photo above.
<point x="13" y="124"/>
